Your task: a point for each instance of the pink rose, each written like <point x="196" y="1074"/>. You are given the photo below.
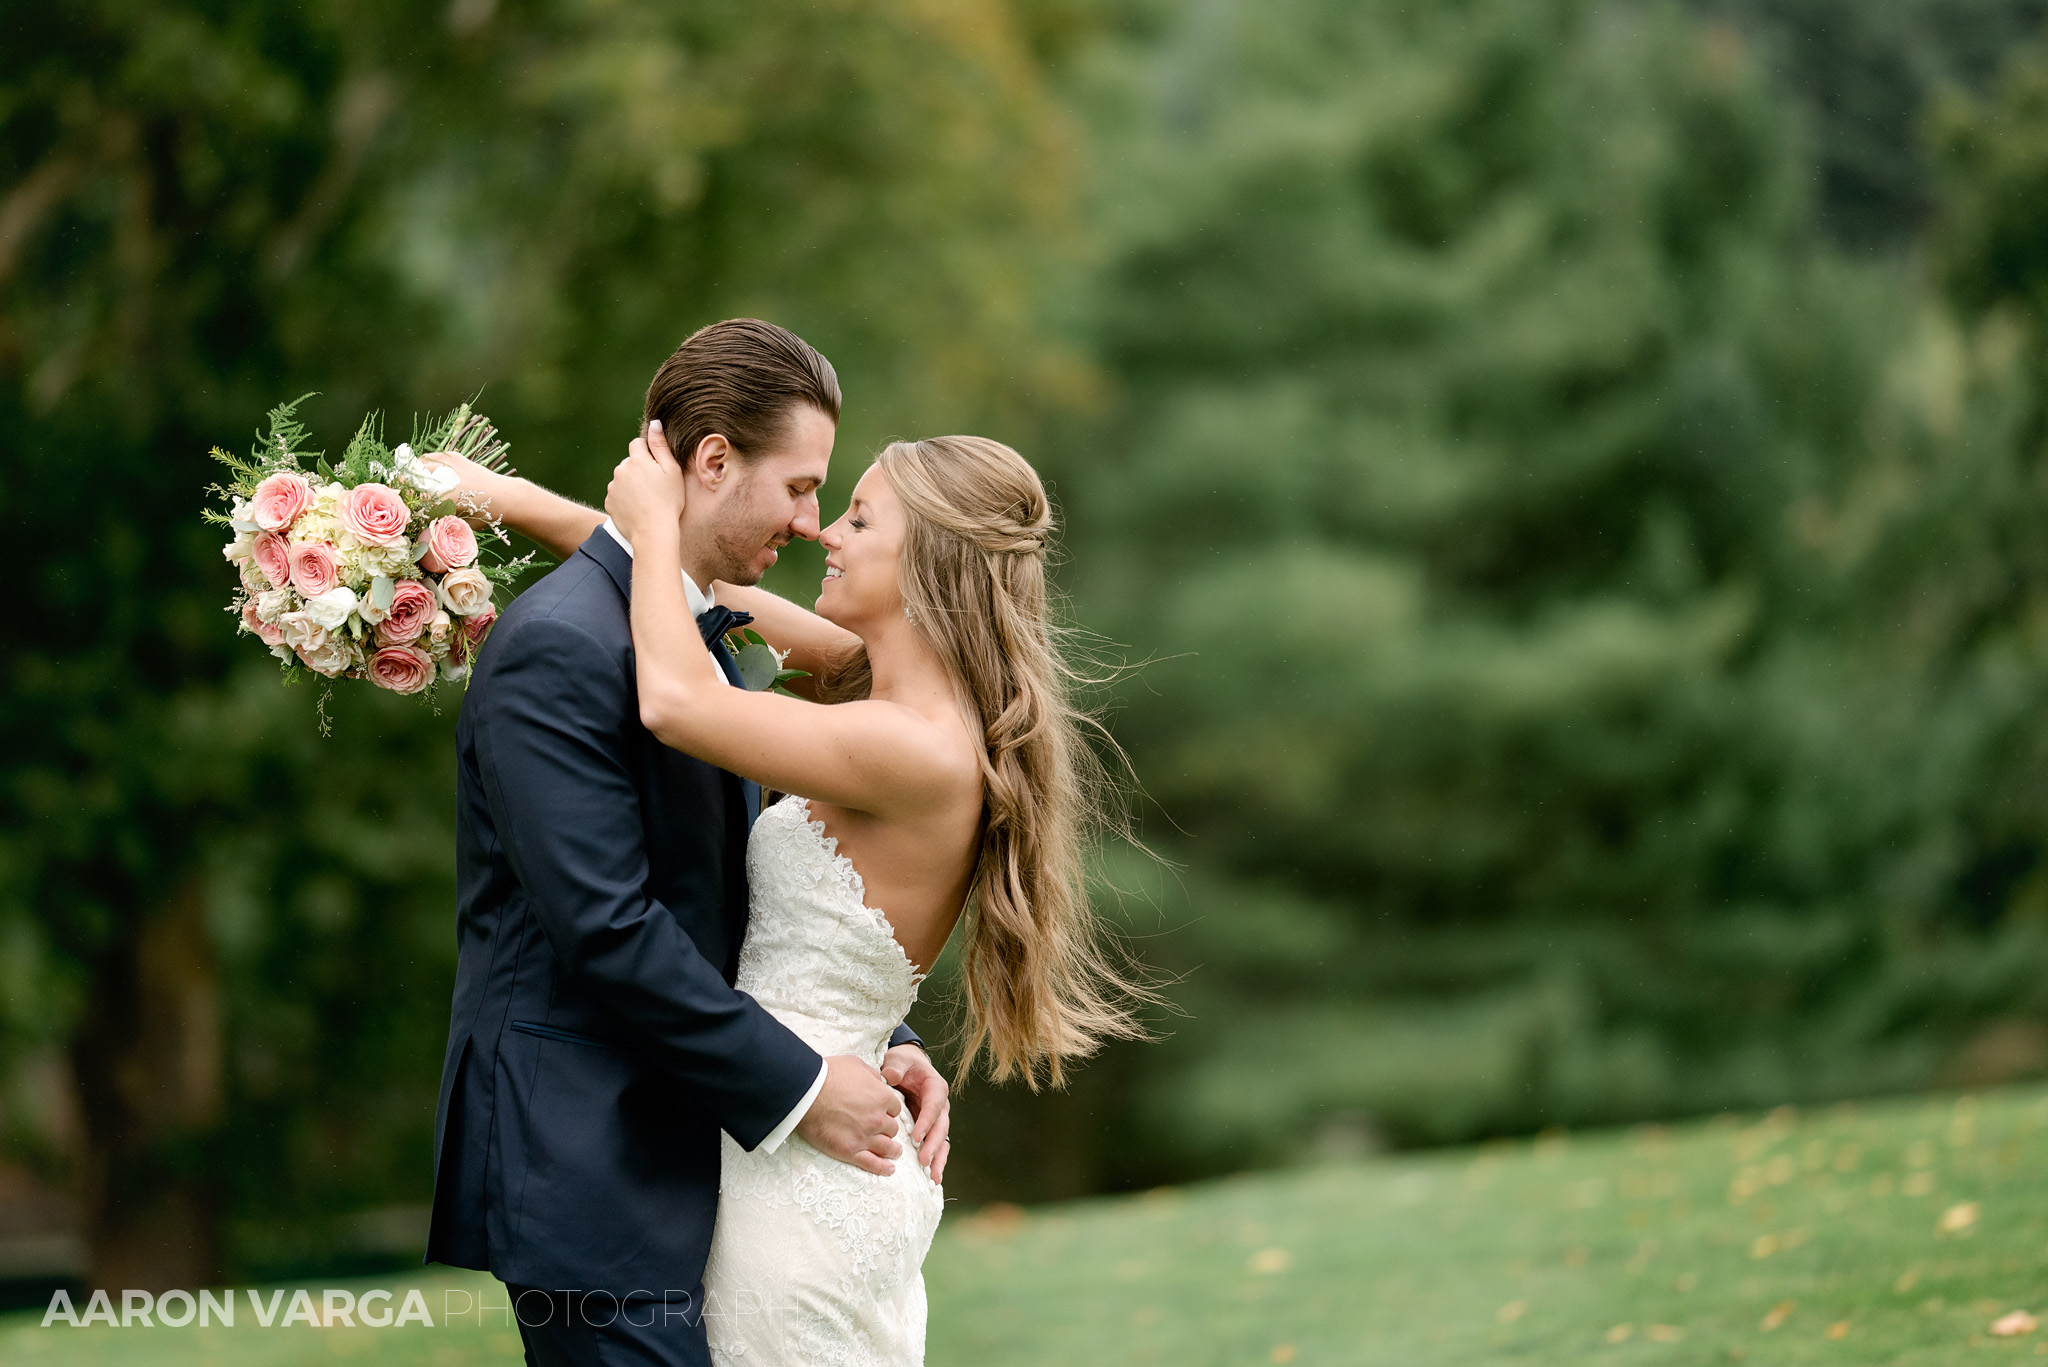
<point x="412" y="604"/>
<point x="450" y="545"/>
<point x="273" y="557"/>
<point x="474" y="629"/>
<point x="402" y="669"/>
<point x="269" y="632"/>
<point x="279" y="500"/>
<point x="314" y="568"/>
<point x="374" y="514"/>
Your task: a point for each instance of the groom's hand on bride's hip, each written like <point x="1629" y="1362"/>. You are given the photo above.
<point x="854" y="1117"/>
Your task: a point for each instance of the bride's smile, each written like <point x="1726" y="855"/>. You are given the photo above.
<point x="862" y="589"/>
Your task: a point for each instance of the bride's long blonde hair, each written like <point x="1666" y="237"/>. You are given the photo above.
<point x="1041" y="987"/>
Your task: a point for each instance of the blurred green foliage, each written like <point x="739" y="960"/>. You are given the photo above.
<point x="1599" y="623"/>
<point x="240" y="936"/>
<point x="1592" y="598"/>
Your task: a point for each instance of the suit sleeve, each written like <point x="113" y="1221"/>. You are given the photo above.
<point x="903" y="1034"/>
<point x="551" y="744"/>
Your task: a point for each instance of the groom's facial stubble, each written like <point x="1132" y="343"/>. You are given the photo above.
<point x="742" y="510"/>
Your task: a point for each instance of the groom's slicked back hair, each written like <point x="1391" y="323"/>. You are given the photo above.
<point x="739" y="379"/>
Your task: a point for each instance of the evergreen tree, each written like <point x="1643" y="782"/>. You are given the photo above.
<point x="1553" y="555"/>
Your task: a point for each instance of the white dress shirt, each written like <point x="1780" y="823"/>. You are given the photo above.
<point x="699" y="601"/>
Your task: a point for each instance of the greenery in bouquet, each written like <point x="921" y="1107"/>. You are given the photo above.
<point x="364" y="568"/>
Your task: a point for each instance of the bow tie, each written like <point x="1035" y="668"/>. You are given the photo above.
<point x="718" y="619"/>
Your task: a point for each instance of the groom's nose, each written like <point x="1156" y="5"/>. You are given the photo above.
<point x="805" y="523"/>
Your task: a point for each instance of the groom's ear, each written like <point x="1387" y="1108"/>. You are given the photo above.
<point x="713" y="460"/>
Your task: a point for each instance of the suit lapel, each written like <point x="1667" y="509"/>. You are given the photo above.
<point x="750" y="791"/>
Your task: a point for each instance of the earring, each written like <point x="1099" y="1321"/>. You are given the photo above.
<point x="908" y="615"/>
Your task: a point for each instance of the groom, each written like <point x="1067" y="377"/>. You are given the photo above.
<point x="597" y="1046"/>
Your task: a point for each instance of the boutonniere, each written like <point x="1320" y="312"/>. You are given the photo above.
<point x="760" y="664"/>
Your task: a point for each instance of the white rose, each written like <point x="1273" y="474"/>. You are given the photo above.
<point x="452" y="672"/>
<point x="465" y="592"/>
<point x="440" y="633"/>
<point x="283" y="651"/>
<point x="301" y="632"/>
<point x="332" y="608"/>
<point x="331" y="657"/>
<point x="271" y="603"/>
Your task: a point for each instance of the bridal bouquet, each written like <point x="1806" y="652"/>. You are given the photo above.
<point x="365" y="568"/>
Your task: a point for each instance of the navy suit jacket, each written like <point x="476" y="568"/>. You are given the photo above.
<point x="597" y="1045"/>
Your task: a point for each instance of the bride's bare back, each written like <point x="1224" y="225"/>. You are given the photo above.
<point x="918" y="871"/>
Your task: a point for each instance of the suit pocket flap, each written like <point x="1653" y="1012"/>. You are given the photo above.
<point x="555" y="1032"/>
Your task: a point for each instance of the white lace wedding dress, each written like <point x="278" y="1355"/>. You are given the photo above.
<point x="814" y="1262"/>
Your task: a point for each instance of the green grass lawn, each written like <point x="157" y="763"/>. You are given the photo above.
<point x="1888" y="1233"/>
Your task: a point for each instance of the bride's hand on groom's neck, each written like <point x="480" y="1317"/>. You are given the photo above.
<point x="648" y="492"/>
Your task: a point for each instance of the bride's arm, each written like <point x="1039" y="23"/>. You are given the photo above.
<point x="870" y="756"/>
<point x="557" y="523"/>
<point x="812" y="642"/>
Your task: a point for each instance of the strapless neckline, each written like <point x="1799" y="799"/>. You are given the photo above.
<point x="856" y="886"/>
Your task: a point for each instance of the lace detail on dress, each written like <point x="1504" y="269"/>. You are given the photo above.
<point x="856" y="887"/>
<point x="814" y="1262"/>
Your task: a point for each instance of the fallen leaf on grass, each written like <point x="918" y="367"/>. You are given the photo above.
<point x="1666" y="1333"/>
<point x="1777" y="1315"/>
<point x="2013" y="1325"/>
<point x="1620" y="1333"/>
<point x="1268" y="1261"/>
<point x="1763" y="1246"/>
<point x="1957" y="1219"/>
<point x="1908" y="1279"/>
<point x="1283" y="1352"/>
<point x="999" y="1218"/>
<point x="1918" y="1184"/>
<point x="1839" y="1329"/>
<point x="1512" y="1311"/>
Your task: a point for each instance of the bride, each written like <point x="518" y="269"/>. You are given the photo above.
<point x="949" y="785"/>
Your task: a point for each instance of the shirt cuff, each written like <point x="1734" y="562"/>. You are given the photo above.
<point x="790" y="1121"/>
